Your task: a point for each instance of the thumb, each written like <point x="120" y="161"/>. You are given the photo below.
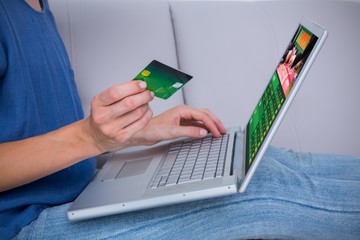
<point x="191" y="131"/>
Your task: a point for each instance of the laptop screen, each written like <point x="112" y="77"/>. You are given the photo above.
<point x="277" y="91"/>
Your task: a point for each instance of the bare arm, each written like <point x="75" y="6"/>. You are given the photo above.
<point x="27" y="160"/>
<point x="117" y="114"/>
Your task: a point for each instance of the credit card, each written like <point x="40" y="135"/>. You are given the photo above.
<point x="163" y="80"/>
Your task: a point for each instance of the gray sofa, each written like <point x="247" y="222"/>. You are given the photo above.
<point x="231" y="48"/>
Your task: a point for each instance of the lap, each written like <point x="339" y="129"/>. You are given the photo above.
<point x="283" y="200"/>
<point x="320" y="165"/>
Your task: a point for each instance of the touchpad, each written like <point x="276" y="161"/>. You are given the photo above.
<point x="133" y="168"/>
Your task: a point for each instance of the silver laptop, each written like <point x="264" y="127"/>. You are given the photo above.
<point x="192" y="169"/>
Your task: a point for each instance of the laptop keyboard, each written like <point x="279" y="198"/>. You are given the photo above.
<point x="193" y="160"/>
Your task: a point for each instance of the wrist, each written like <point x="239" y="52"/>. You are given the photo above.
<point x="89" y="138"/>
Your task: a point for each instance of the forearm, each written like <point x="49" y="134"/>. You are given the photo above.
<point x="24" y="161"/>
<point x="117" y="114"/>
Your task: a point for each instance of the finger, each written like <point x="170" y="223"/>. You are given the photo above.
<point x="205" y="118"/>
<point x="192" y="123"/>
<point x="190" y="131"/>
<point x="129" y="104"/>
<point x="201" y="125"/>
<point x="129" y="118"/>
<point x="118" y="92"/>
<point x="135" y="126"/>
<point x="220" y="126"/>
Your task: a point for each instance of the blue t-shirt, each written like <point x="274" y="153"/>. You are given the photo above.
<point x="37" y="95"/>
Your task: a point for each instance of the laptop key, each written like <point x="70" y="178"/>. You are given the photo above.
<point x="170" y="159"/>
<point x="172" y="180"/>
<point x="162" y="181"/>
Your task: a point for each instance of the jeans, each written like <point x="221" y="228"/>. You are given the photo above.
<point x="291" y="196"/>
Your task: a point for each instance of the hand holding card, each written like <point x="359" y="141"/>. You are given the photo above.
<point x="163" y="80"/>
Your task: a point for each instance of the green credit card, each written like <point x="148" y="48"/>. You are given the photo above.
<point x="163" y="80"/>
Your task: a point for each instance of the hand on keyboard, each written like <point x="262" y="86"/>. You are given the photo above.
<point x="181" y="121"/>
